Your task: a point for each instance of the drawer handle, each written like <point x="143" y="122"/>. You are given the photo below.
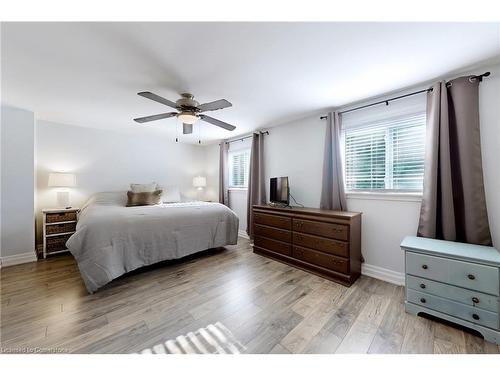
<point x="475" y="299"/>
<point x="471" y="276"/>
<point x="422" y="286"/>
<point x="423" y="300"/>
<point x="424" y="266"/>
<point x="475" y="316"/>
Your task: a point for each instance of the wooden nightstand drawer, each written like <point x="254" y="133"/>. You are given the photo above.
<point x="57" y="217"/>
<point x="61" y="228"/>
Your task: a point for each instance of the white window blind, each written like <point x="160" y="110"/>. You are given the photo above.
<point x="238" y="168"/>
<point x="385" y="155"/>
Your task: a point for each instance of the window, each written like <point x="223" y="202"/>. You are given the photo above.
<point x="386" y="155"/>
<point x="238" y="168"/>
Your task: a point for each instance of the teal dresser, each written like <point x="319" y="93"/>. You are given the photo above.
<point x="454" y="281"/>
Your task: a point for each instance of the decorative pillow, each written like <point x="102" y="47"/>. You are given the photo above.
<point x="171" y="194"/>
<point x="143" y="188"/>
<point x="143" y="199"/>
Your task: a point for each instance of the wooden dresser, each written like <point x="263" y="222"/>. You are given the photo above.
<point x="324" y="242"/>
<point x="58" y="226"/>
<point x="454" y="281"/>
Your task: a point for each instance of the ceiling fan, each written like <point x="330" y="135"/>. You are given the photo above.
<point x="189" y="111"/>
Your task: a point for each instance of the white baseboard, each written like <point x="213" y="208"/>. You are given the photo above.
<point x="243" y="234"/>
<point x="384" y="274"/>
<point x="12" y="260"/>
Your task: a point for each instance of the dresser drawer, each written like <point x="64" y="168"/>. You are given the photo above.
<point x="320" y="243"/>
<point x="282" y="222"/>
<point x="462" y="295"/>
<point x="459" y="310"/>
<point x="321" y="259"/>
<point x="468" y="275"/>
<point x="272" y="245"/>
<point x="57" y="217"/>
<point x="60" y="228"/>
<point x="273" y="233"/>
<point x="330" y="230"/>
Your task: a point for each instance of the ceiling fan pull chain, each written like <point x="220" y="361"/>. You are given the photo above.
<point x="176" y="133"/>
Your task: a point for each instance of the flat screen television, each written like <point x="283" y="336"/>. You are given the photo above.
<point x="279" y="190"/>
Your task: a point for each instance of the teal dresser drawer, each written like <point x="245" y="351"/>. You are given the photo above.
<point x="465" y="274"/>
<point x="461" y="295"/>
<point x="459" y="310"/>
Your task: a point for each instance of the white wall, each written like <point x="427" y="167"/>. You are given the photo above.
<point x="17" y="185"/>
<point x="295" y="150"/>
<point x="211" y="157"/>
<point x="105" y="160"/>
<point x="489" y="109"/>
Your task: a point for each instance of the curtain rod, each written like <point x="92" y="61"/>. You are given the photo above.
<point x="246" y="137"/>
<point x="479" y="77"/>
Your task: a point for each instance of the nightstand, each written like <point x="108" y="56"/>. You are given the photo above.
<point x="58" y="225"/>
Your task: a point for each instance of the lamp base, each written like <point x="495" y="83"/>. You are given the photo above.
<point x="63" y="199"/>
<point x="199" y="193"/>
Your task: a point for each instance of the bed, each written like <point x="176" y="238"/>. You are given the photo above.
<point x="111" y="239"/>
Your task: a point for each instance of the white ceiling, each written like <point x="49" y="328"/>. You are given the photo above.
<point x="88" y="74"/>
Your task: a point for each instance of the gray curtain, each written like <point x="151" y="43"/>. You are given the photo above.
<point x="332" y="189"/>
<point x="453" y="203"/>
<point x="223" y="173"/>
<point x="256" y="183"/>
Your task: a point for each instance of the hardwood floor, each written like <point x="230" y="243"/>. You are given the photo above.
<point x="227" y="300"/>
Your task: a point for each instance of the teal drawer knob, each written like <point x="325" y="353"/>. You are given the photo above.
<point x="475" y="299"/>
<point x="471" y="276"/>
<point x="423" y="300"/>
<point x="422" y="286"/>
<point x="475" y="316"/>
<point x="424" y="266"/>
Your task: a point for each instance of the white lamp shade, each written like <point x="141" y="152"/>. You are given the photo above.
<point x="57" y="179"/>
<point x="199" y="182"/>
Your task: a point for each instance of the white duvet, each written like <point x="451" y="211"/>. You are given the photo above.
<point x="112" y="239"/>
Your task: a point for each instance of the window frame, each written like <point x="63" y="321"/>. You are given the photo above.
<point x="380" y="193"/>
<point x="230" y="169"/>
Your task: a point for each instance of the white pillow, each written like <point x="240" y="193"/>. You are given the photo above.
<point x="171" y="194"/>
<point x="108" y="198"/>
<point x="143" y="188"/>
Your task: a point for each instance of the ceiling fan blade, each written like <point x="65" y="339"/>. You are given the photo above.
<point x="216" y="122"/>
<point x="212" y="106"/>
<point x="155" y="117"/>
<point x="157" y="98"/>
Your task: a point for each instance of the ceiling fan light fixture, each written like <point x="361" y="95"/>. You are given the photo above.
<point x="187" y="118"/>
